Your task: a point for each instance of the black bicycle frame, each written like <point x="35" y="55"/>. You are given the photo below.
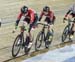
<point x="43" y="29"/>
<point x="69" y="25"/>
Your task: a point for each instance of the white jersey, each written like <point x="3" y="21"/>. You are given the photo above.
<point x="72" y="8"/>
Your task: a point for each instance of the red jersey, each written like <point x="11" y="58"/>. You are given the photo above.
<point x="30" y="14"/>
<point x="50" y="15"/>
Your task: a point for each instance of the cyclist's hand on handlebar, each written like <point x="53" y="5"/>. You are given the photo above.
<point x="64" y="19"/>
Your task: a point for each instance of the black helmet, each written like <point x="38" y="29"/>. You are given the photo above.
<point x="24" y="9"/>
<point x="46" y="9"/>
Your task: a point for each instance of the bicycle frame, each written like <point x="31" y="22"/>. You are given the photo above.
<point x="42" y="36"/>
<point x="69" y="25"/>
<point x="43" y="29"/>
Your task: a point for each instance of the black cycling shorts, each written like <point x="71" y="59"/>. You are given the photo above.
<point x="28" y="21"/>
<point x="49" y="21"/>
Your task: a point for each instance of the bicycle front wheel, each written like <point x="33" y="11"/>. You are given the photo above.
<point x="16" y="46"/>
<point x="40" y="37"/>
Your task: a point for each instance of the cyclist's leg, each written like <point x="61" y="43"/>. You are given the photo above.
<point x="31" y="26"/>
<point x="50" y="27"/>
<point x="25" y="22"/>
<point x="50" y="23"/>
<point x="73" y="26"/>
<point x="73" y="30"/>
<point x="50" y="30"/>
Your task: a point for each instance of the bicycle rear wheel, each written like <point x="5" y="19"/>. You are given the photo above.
<point x="65" y="34"/>
<point x="40" y="37"/>
<point x="16" y="46"/>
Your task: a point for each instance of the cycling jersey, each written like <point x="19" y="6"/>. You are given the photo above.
<point x="30" y="14"/>
<point x="50" y="15"/>
<point x="31" y="18"/>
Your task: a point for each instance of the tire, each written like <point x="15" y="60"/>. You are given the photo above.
<point x="48" y="42"/>
<point x="18" y="39"/>
<point x="40" y="37"/>
<point x="65" y="34"/>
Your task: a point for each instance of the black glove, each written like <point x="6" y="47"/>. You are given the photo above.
<point x="17" y="22"/>
<point x="16" y="25"/>
<point x="64" y="18"/>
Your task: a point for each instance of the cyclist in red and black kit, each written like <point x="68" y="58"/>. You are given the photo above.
<point x="30" y="17"/>
<point x="50" y="18"/>
<point x="71" y="14"/>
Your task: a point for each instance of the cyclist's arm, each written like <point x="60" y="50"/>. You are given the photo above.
<point x="32" y="18"/>
<point x="67" y="13"/>
<point x="41" y="15"/>
<point x="51" y="16"/>
<point x="18" y="19"/>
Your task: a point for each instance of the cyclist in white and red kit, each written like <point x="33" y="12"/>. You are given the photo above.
<point x="71" y="14"/>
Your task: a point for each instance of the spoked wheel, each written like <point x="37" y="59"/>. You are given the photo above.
<point x="40" y="37"/>
<point x="16" y="46"/>
<point x="65" y="34"/>
<point x="49" y="39"/>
